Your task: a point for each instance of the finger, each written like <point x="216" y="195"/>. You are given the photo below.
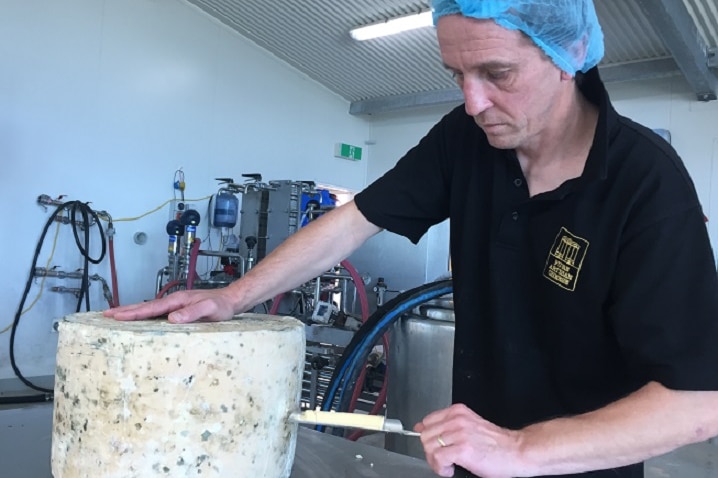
<point x="447" y="471"/>
<point x="445" y="458"/>
<point x="440" y="457"/>
<point x="154" y="308"/>
<point x="123" y="308"/>
<point x="204" y="309"/>
<point x="182" y="316"/>
<point x="436" y="417"/>
<point x="433" y="442"/>
<point x="444" y="439"/>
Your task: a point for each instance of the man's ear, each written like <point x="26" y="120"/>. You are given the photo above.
<point x="578" y="51"/>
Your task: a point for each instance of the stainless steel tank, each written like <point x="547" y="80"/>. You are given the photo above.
<point x="421" y="352"/>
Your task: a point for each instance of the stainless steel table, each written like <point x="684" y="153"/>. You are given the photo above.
<point x="25" y="433"/>
<point x="320" y="455"/>
<point x="26" y="430"/>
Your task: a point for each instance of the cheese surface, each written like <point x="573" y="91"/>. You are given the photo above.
<point x="150" y="398"/>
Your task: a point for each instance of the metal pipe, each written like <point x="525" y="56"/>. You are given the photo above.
<point x="66" y="290"/>
<point x="105" y="288"/>
<point x="41" y="271"/>
<point x="158" y="281"/>
<point x="336" y="276"/>
<point x="317" y="290"/>
<point x="211" y="283"/>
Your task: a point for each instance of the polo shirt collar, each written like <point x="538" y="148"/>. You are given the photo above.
<point x="593" y="89"/>
<point x="596" y="168"/>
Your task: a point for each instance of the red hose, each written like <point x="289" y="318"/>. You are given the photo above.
<point x="113" y="272"/>
<point x="380" y="399"/>
<point x="192" y="268"/>
<point x="364" y="305"/>
<point x="358" y="387"/>
<point x="275" y="304"/>
<point x="359" y="284"/>
<point x="167" y="287"/>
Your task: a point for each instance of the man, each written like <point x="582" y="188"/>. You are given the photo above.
<point x="584" y="284"/>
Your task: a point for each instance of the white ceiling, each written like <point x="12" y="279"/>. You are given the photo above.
<point x="644" y="39"/>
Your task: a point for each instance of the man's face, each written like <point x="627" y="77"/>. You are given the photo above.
<point x="510" y="87"/>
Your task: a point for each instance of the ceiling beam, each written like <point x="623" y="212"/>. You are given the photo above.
<point x="713" y="57"/>
<point x="675" y="26"/>
<point x="401" y="102"/>
<point x="639" y="70"/>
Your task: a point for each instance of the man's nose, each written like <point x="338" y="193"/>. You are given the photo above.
<point x="476" y="97"/>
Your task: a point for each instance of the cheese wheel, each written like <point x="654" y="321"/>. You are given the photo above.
<point x="150" y="398"/>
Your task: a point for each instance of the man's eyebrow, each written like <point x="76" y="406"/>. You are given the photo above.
<point x="489" y="65"/>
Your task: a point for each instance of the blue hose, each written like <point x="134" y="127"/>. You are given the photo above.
<point x="356" y="353"/>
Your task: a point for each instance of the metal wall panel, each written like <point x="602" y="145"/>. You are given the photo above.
<point x="314" y="38"/>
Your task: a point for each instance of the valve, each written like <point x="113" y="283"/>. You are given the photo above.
<point x="190" y="219"/>
<point x="175" y="230"/>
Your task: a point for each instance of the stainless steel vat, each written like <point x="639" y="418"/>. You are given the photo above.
<point x="421" y="351"/>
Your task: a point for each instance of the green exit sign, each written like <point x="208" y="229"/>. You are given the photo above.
<point x="347" y="151"/>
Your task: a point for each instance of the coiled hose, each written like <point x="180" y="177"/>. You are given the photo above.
<point x="356" y="353"/>
<point x="74" y="207"/>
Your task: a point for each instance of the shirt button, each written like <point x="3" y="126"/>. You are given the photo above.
<point x="518" y="182"/>
<point x="515" y="215"/>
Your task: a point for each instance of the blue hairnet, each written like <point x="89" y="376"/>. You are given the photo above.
<point x="566" y="30"/>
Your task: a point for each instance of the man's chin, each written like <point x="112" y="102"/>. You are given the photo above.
<point x="499" y="136"/>
<point x="501" y="141"/>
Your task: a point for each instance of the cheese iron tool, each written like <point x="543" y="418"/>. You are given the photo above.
<point x="351" y="420"/>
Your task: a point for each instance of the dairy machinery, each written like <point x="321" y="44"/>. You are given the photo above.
<point x="332" y="305"/>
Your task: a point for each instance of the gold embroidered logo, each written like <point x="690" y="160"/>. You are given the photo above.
<point x="565" y="259"/>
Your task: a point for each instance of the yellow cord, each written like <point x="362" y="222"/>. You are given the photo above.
<point x="126" y="219"/>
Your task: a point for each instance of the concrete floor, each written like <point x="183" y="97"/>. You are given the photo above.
<point x="26" y="432"/>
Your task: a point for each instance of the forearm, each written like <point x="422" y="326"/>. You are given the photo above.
<point x="650" y="422"/>
<point x="312" y="250"/>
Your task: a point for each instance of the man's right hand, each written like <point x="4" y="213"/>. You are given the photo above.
<point x="180" y="307"/>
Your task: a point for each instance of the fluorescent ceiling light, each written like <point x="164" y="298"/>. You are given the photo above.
<point x="392" y="26"/>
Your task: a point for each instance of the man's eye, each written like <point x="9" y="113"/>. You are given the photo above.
<point x="498" y="74"/>
<point x="457" y="75"/>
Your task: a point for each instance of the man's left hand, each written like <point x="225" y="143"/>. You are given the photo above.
<point x="458" y="436"/>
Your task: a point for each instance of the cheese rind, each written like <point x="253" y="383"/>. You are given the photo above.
<point x="150" y="398"/>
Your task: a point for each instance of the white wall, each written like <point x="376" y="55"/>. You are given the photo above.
<point x="102" y="100"/>
<point x="670" y="104"/>
<point x="404" y="265"/>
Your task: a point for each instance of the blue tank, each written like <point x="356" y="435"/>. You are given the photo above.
<point x="226" y="209"/>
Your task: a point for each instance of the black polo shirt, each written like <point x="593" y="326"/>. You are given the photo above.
<point x="576" y="297"/>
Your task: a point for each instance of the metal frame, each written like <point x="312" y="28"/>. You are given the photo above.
<point x="640" y="70"/>
<point x="675" y="26"/>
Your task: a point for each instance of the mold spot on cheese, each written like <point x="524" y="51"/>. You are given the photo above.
<point x="150" y="398"/>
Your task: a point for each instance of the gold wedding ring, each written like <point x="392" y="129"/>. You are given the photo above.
<point x="441" y="441"/>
